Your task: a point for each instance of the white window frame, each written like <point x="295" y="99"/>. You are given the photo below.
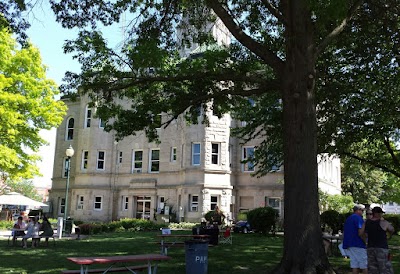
<point x="102" y="124"/>
<point x="95" y="202"/>
<point x="119" y="159"/>
<point x="85" y="160"/>
<point x="213" y="204"/>
<point x="81" y="200"/>
<point x="154" y="161"/>
<point x="99" y="160"/>
<point x="61" y="206"/>
<point x="125" y="203"/>
<point x="69" y="129"/>
<point x="194" y="203"/>
<point x="278" y="208"/>
<point x="246" y="166"/>
<point x="196" y="154"/>
<point x="88" y="117"/>
<point x="134" y="161"/>
<point x="173" y="154"/>
<point x="215" y="155"/>
<point x="65" y="167"/>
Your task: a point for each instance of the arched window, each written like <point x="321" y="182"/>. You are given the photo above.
<point x="70" y="129"/>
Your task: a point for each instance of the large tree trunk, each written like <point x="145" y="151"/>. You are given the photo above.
<point x="303" y="249"/>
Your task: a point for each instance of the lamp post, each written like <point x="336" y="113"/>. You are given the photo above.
<point x="69" y="152"/>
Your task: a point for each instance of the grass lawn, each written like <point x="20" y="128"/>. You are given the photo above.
<point x="249" y="253"/>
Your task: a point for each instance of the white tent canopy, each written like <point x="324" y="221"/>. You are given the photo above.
<point x="14" y="198"/>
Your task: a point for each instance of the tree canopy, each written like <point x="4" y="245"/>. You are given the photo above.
<point x="285" y="73"/>
<point x="27" y="105"/>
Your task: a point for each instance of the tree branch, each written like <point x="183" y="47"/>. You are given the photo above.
<point x="328" y="39"/>
<point x="391" y="152"/>
<point x="268" y="56"/>
<point x="275" y="12"/>
<point x="372" y="163"/>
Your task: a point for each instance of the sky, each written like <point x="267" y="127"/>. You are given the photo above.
<point x="48" y="35"/>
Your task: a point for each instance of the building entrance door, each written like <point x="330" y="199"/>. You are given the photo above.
<point x="143" y="204"/>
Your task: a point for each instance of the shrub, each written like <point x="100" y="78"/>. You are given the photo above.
<point x="332" y="219"/>
<point x="6" y="225"/>
<point x="263" y="219"/>
<point x="182" y="225"/>
<point x="394" y="219"/>
<point x="242" y="216"/>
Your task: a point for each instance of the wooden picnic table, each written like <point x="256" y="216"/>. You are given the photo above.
<point x="150" y="259"/>
<point x="170" y="240"/>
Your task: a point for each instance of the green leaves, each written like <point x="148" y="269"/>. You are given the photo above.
<point x="27" y="105"/>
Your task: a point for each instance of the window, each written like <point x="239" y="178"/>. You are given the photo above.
<point x="88" y="117"/>
<point x="102" y="123"/>
<point x="70" y="129"/>
<point x="275" y="203"/>
<point x="125" y="203"/>
<point x="154" y="160"/>
<point x="156" y="119"/>
<point x="194" y="203"/>
<point x="161" y="204"/>
<point x="98" y="203"/>
<point x="196" y="154"/>
<point x="137" y="161"/>
<point x="214" y="202"/>
<point x="101" y="157"/>
<point x="85" y="159"/>
<point x="214" y="153"/>
<point x="61" y="206"/>
<point x="80" y="203"/>
<point x="248" y="154"/>
<point x="173" y="154"/>
<point x="119" y="160"/>
<point x="65" y="167"/>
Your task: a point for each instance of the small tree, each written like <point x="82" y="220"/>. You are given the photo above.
<point x="263" y="219"/>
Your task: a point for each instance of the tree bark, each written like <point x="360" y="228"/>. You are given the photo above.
<point x="303" y="249"/>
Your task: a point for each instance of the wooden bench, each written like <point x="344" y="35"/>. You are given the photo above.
<point x="10" y="237"/>
<point x="114" y="269"/>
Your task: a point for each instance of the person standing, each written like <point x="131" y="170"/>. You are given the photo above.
<point x="376" y="229"/>
<point x="353" y="241"/>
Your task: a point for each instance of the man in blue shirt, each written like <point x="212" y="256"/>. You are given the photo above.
<point x="353" y="241"/>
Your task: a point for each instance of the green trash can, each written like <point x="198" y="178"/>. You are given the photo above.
<point x="196" y="256"/>
<point x="68" y="225"/>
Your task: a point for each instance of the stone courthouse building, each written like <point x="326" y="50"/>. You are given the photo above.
<point x="194" y="169"/>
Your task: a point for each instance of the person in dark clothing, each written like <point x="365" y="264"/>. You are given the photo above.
<point x="376" y="230"/>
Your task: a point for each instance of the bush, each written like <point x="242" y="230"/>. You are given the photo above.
<point x="182" y="225"/>
<point x="394" y="219"/>
<point x="242" y="216"/>
<point x="6" y="224"/>
<point x="263" y="219"/>
<point x="333" y="220"/>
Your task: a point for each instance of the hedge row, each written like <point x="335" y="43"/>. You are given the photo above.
<point x="127" y="225"/>
<point x="334" y="220"/>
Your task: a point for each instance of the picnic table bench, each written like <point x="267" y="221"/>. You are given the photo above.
<point x="113" y="261"/>
<point x="13" y="238"/>
<point x="176" y="240"/>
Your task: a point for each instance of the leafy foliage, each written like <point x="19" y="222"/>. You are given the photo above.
<point x="27" y="105"/>
<point x="336" y="202"/>
<point x="11" y="17"/>
<point x="263" y="219"/>
<point x="25" y="187"/>
<point x="367" y="184"/>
